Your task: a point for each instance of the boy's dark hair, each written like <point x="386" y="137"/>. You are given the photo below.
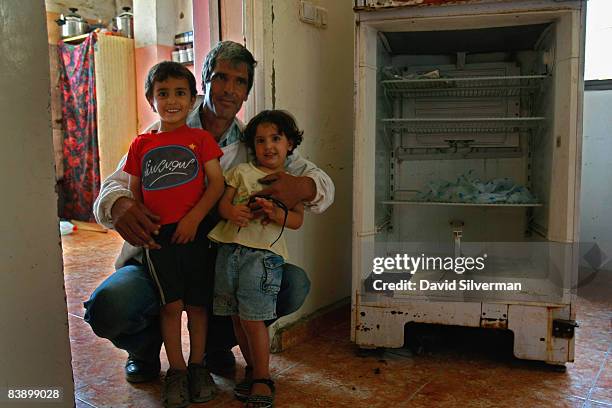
<point x="234" y="53"/>
<point x="164" y="70"/>
<point x="284" y="121"/>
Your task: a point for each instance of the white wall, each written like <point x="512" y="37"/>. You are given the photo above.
<point x="596" y="187"/>
<point x="185" y="9"/>
<point x="309" y="72"/>
<point x="156" y="22"/>
<point x="598" y="59"/>
<point x="34" y="342"/>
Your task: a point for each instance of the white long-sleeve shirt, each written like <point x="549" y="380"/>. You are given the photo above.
<point x="234" y="152"/>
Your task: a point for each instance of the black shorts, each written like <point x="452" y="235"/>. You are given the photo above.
<point x="182" y="271"/>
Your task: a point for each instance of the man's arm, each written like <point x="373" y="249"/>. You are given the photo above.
<point x="114" y="187"/>
<point x="116" y="208"/>
<point x="305" y="183"/>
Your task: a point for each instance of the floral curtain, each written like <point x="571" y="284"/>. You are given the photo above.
<point x="81" y="182"/>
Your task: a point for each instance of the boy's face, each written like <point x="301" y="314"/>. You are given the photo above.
<point x="271" y="146"/>
<point x="227" y="89"/>
<point x="172" y="100"/>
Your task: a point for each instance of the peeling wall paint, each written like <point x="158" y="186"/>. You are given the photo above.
<point x="309" y="72"/>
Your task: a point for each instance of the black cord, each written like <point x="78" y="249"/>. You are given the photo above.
<point x="279" y="204"/>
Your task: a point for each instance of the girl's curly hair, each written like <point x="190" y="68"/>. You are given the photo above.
<point x="284" y="121"/>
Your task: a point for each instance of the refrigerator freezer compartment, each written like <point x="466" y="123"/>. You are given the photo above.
<point x="463" y="125"/>
<point x="493" y="86"/>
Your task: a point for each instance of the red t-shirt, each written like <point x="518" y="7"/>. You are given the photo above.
<point x="171" y="169"/>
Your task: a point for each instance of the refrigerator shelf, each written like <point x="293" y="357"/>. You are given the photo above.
<point x="463" y="125"/>
<point x="493" y="86"/>
<point x="438" y="203"/>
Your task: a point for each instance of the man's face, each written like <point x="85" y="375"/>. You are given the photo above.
<point x="227" y="89"/>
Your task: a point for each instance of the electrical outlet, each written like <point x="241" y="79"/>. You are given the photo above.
<point x="321" y="17"/>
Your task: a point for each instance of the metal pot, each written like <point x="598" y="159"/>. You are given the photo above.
<point x="72" y="24"/>
<point x="124" y="23"/>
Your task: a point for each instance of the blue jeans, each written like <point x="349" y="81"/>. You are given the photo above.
<point x="125" y="310"/>
<point x="247" y="281"/>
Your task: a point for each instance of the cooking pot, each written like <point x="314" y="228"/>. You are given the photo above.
<point x="72" y="24"/>
<point x="124" y="23"/>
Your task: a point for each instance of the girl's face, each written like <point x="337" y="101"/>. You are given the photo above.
<point x="271" y="146"/>
<point x="172" y="100"/>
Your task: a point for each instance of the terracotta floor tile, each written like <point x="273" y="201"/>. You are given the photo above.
<point x="114" y="391"/>
<point x="84" y="272"/>
<point x="87" y="350"/>
<point x="605" y="377"/>
<point x="602" y="395"/>
<point x="335" y="373"/>
<point x="325" y="371"/>
<point x="82" y="404"/>
<point x="595" y="404"/>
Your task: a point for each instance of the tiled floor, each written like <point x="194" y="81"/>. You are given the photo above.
<point x="461" y="367"/>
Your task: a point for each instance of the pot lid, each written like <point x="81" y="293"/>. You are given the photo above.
<point x="73" y="16"/>
<point x="126" y="12"/>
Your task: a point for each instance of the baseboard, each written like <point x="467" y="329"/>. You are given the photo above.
<point x="309" y="326"/>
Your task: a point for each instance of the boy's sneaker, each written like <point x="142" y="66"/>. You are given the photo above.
<point x="175" y="393"/>
<point x="202" y="388"/>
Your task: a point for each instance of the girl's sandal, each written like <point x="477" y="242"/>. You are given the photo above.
<point x="242" y="390"/>
<point x="261" y="401"/>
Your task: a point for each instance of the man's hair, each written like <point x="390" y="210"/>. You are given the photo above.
<point x="284" y="121"/>
<point x="164" y="70"/>
<point x="234" y="53"/>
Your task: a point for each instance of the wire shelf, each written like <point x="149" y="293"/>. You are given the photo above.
<point x="463" y="125"/>
<point x="493" y="86"/>
<point x="439" y="203"/>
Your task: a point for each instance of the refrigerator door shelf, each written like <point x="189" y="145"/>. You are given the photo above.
<point x="463" y="125"/>
<point x="498" y="86"/>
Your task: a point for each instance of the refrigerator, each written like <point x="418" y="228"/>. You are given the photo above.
<point x="466" y="177"/>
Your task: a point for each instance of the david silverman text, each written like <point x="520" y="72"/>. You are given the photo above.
<point x="464" y="284"/>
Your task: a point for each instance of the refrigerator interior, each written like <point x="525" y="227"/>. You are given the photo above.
<point x="479" y="103"/>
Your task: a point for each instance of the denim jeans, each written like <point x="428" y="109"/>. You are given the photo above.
<point x="125" y="310"/>
<point x="247" y="282"/>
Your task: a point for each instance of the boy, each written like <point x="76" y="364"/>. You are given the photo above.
<point x="167" y="171"/>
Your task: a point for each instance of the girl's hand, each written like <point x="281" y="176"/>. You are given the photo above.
<point x="240" y="215"/>
<point x="185" y="230"/>
<point x="272" y="213"/>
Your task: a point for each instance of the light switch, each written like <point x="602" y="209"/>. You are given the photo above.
<point x="308" y="12"/>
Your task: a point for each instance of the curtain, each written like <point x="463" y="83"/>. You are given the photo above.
<point x="81" y="182"/>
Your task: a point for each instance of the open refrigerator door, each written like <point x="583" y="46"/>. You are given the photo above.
<point x="466" y="170"/>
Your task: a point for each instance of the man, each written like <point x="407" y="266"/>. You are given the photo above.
<point x="125" y="307"/>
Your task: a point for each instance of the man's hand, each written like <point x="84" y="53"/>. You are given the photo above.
<point x="291" y="190"/>
<point x="135" y="223"/>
